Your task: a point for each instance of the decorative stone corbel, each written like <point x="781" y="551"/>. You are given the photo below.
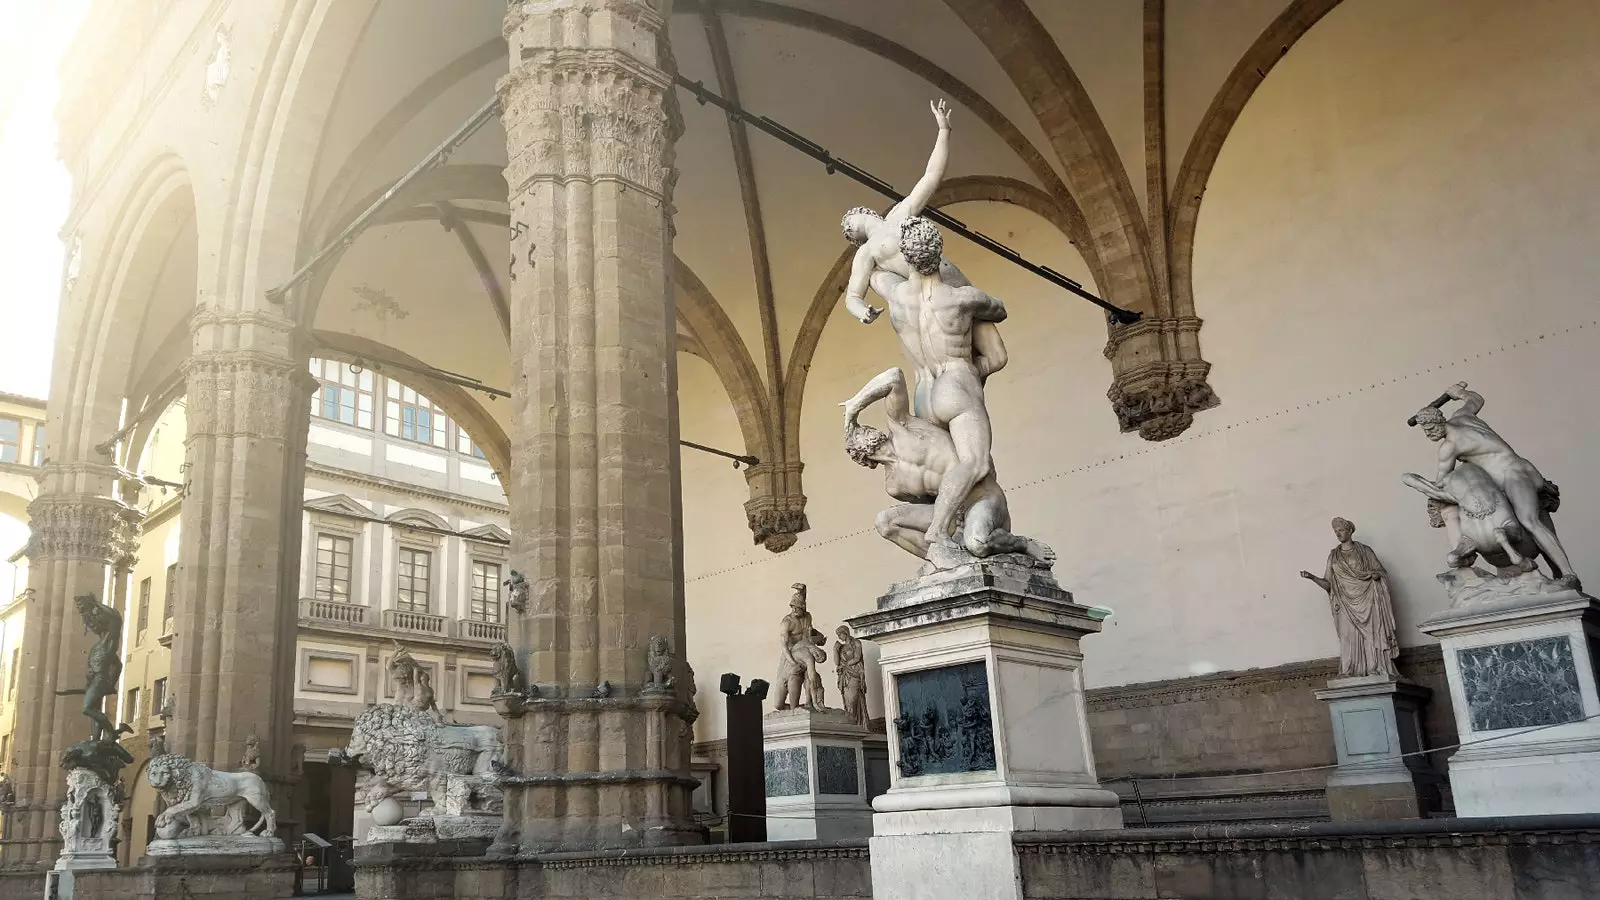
<point x="776" y="509"/>
<point x="1158" y="378"/>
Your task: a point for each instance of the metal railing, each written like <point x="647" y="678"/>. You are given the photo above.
<point x="334" y="611"/>
<point x="422" y="623"/>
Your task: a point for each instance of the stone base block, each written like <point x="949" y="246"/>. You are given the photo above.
<point x="437" y="829"/>
<point x="1521" y="668"/>
<point x="1401" y="799"/>
<point x="996" y="819"/>
<point x="964" y="866"/>
<point x="216" y="845"/>
<point x="1544" y="778"/>
<point x="1377" y="733"/>
<point x="815" y="764"/>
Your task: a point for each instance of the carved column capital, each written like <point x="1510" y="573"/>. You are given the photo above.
<point x="242" y="392"/>
<point x="574" y="107"/>
<point x="80" y="526"/>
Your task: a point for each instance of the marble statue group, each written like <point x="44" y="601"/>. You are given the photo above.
<point x="936" y="451"/>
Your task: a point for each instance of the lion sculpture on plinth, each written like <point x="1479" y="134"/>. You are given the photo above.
<point x="192" y="789"/>
<point x="401" y="750"/>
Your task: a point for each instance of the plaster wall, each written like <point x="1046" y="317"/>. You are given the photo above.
<point x="1401" y="206"/>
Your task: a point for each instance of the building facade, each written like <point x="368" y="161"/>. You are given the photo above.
<point x="1325" y="212"/>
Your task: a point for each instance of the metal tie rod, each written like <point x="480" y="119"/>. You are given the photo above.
<point x="348" y="235"/>
<point x="473" y="384"/>
<point x="855" y="173"/>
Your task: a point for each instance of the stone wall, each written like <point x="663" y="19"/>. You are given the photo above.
<point x="1543" y="858"/>
<point x="1192" y="745"/>
<point x="813" y="870"/>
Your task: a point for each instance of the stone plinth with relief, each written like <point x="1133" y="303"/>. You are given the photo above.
<point x="1519" y="652"/>
<point x="988" y="735"/>
<point x="816" y="775"/>
<point x="1377" y="722"/>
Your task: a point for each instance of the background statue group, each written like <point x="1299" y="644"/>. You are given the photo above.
<point x="800" y="681"/>
<point x="1492" y="503"/>
<point x="936" y="451"/>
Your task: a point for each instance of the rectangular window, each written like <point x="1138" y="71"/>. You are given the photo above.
<point x="333" y="567"/>
<point x="130" y="709"/>
<point x="144" y="610"/>
<point x="16" y="663"/>
<point x="412" y="593"/>
<point x="158" y="696"/>
<point x="410" y="416"/>
<point x="10" y="439"/>
<point x="38" y="444"/>
<point x="169" y="599"/>
<point x="485" y="606"/>
<point x="343" y="394"/>
<point x="465" y="444"/>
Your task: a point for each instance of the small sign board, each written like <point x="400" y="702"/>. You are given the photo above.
<point x="315" y="840"/>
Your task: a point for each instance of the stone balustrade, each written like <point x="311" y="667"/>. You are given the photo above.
<point x="419" y="622"/>
<point x="483" y="631"/>
<point x="334" y="611"/>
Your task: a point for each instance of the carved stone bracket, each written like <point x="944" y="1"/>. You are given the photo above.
<point x="1158" y="378"/>
<point x="776" y="510"/>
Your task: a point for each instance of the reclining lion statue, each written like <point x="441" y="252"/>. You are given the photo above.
<point x="400" y="750"/>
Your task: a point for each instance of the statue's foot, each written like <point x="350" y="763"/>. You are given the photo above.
<point x="945" y="553"/>
<point x="1570" y="581"/>
<point x="1041" y="551"/>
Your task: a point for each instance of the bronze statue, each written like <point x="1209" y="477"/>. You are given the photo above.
<point x="105" y="666"/>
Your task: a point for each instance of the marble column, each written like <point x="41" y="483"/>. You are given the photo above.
<point x="234" y="623"/>
<point x="590" y="122"/>
<point x="79" y="532"/>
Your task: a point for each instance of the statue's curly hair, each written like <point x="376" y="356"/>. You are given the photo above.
<point x="861" y="441"/>
<point x="844" y="224"/>
<point x="1430" y="415"/>
<point x="921" y="245"/>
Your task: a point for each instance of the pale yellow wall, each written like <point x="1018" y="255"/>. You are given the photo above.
<point x="1412" y="188"/>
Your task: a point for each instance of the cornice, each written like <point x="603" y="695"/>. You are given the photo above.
<point x="373" y="481"/>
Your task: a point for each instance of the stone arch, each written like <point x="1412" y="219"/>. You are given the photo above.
<point x="318" y="40"/>
<point x="457" y="402"/>
<point x="160" y="203"/>
<point x="1201" y="156"/>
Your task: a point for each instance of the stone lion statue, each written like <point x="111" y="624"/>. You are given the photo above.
<point x="661" y="663"/>
<point x="401" y="749"/>
<point x="192" y="789"/>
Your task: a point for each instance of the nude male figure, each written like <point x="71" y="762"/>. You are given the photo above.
<point x="949" y="392"/>
<point x="878" y="249"/>
<point x="1465" y="438"/>
<point x="916" y="456"/>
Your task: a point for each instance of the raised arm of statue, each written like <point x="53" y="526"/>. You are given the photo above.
<point x="890" y="387"/>
<point x="923" y="191"/>
<point x="862" y="267"/>
<point x="1471" y="401"/>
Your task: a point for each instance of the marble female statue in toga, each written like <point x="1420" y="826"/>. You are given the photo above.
<point x="1358" y="591"/>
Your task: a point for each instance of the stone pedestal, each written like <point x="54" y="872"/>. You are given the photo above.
<point x="1520" y="658"/>
<point x="457" y="830"/>
<point x="988" y="735"/>
<point x="216" y="845"/>
<point x="1376" y="721"/>
<point x="816" y="775"/>
<point x="60" y="883"/>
